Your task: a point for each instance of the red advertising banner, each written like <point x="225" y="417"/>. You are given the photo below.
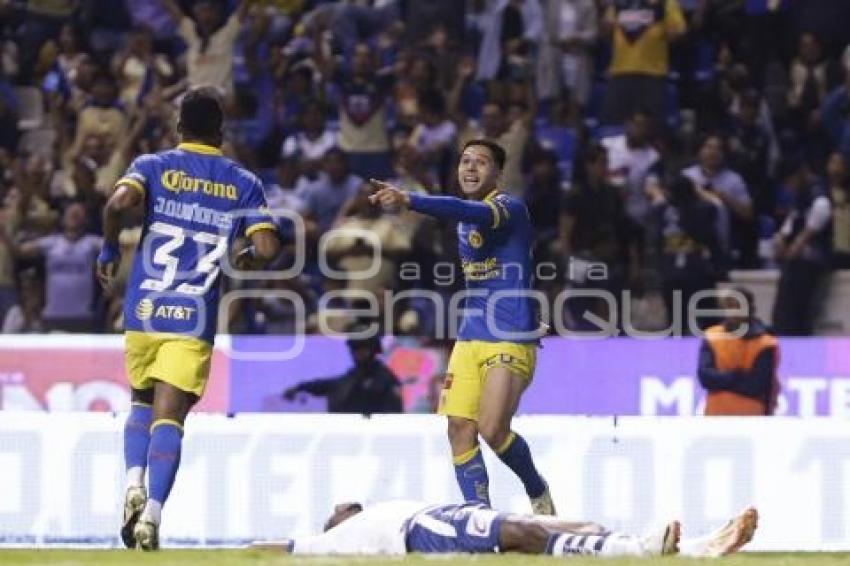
<point x="80" y="373"/>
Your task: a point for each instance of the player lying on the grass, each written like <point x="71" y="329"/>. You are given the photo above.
<point x="400" y="527"/>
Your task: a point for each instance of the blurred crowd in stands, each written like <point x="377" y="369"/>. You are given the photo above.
<point x="669" y="141"/>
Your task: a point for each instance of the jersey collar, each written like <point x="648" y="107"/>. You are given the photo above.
<point x="491" y="194"/>
<point x="200" y="148"/>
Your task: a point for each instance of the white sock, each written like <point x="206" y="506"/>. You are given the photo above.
<point x="695" y="547"/>
<point x="621" y="545"/>
<point x="152" y="512"/>
<point x="136" y="477"/>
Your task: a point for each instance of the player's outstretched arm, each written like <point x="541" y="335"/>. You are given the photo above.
<point x="126" y="197"/>
<point x="393" y="199"/>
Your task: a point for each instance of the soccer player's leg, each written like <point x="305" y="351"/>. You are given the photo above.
<point x="459" y="401"/>
<point x="140" y="351"/>
<point x="530" y="535"/>
<point x="181" y="369"/>
<point x="508" y="369"/>
<point x="728" y="539"/>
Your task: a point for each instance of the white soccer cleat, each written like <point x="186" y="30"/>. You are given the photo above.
<point x="732" y="536"/>
<point x="146" y="534"/>
<point x="134" y="504"/>
<point x="543" y="504"/>
<point x="664" y="541"/>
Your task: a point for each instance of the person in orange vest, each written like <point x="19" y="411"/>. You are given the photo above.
<point x="738" y="360"/>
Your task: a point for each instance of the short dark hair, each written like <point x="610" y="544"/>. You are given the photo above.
<point x="497" y="151"/>
<point x="749" y="298"/>
<point x="201" y="113"/>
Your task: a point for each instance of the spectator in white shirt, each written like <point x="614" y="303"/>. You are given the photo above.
<point x="209" y="40"/>
<point x="634" y="165"/>
<point x="435" y="133"/>
<point x="313" y="141"/>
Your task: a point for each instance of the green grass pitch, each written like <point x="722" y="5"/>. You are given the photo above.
<point x="253" y="558"/>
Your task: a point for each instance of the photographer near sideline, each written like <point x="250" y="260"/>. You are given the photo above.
<point x="738" y="360"/>
<point x="367" y="388"/>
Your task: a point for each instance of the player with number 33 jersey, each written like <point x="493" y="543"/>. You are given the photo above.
<point x="196" y="202"/>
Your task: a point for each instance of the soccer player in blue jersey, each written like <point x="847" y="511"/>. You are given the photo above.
<point x="494" y="356"/>
<point x="195" y="203"/>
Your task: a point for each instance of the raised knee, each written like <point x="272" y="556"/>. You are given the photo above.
<point x="494" y="434"/>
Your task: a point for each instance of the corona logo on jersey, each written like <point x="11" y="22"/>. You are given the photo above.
<point x="144" y="309"/>
<point x="481" y="270"/>
<point x="178" y="181"/>
<point x="475" y="239"/>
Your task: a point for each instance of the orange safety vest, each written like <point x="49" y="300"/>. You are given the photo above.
<point x="738" y="354"/>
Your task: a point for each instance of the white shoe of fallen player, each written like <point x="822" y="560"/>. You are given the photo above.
<point x="543" y="504"/>
<point x="664" y="541"/>
<point x="729" y="538"/>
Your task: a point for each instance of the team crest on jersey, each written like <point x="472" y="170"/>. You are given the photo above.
<point x="144" y="310"/>
<point x="475" y="239"/>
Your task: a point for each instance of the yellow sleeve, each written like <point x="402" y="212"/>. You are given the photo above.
<point x="129" y="181"/>
<point x="674" y="20"/>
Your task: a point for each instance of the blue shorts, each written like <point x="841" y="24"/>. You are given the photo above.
<point x="465" y="528"/>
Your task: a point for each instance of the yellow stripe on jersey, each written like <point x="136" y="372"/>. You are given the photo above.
<point x="200" y="148"/>
<point x="131" y="183"/>
<point x="260" y="226"/>
<point x="496" y="219"/>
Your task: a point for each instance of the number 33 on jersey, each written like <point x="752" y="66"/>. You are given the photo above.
<point x="196" y="203"/>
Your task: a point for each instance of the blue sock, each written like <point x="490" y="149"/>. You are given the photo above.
<point x="517" y="456"/>
<point x="137" y="436"/>
<point x="163" y="458"/>
<point x="472" y="476"/>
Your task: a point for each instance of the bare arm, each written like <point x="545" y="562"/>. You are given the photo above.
<point x="739" y="208"/>
<point x="266" y="245"/>
<point x="609" y="23"/>
<point x="28" y="250"/>
<point x="566" y="225"/>
<point x="242" y="9"/>
<point x="464" y="73"/>
<point x="173" y="10"/>
<point x="125" y="198"/>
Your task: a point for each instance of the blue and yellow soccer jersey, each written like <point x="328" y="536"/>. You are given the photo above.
<point x="196" y="203"/>
<point x="494" y="240"/>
